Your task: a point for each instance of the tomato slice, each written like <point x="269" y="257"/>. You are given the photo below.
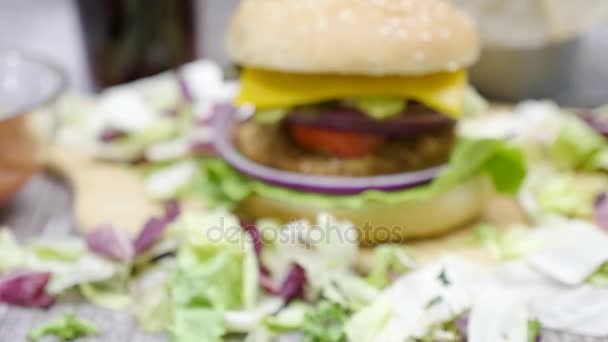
<point x="333" y="142"/>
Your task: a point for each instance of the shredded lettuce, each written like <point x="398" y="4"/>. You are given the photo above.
<point x="221" y="185"/>
<point x="11" y="254"/>
<point x="66" y="328"/>
<point x="474" y="103"/>
<point x="380" y="108"/>
<point x="534" y="331"/>
<point x="216" y="271"/>
<point x="571" y="194"/>
<point x="600" y="277"/>
<point x="69" y="273"/>
<point x="106" y="295"/>
<point x="290" y="318"/>
<point x="576" y="144"/>
<point x="197" y="324"/>
<point x="327" y="250"/>
<point x="504" y="244"/>
<point x="67" y="249"/>
<point x="165" y="182"/>
<point x="373" y="321"/>
<point x="325" y="323"/>
<point x="151" y="298"/>
<point x="389" y="262"/>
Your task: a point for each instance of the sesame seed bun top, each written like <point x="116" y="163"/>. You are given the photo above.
<point x="359" y="37"/>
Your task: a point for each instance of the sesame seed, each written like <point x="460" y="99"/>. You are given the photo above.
<point x="453" y="66"/>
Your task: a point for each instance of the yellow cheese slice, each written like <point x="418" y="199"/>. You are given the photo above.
<point x="271" y="89"/>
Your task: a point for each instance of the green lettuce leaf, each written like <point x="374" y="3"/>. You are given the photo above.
<point x="370" y="322"/>
<point x="504" y="244"/>
<point x="288" y="319"/>
<point x="571" y="194"/>
<point x="68" y="250"/>
<point x="105" y="296"/>
<point x="330" y="259"/>
<point x="325" y="323"/>
<point x="600" y="276"/>
<point x="380" y="108"/>
<point x="152" y="303"/>
<point x="576" y="144"/>
<point x="216" y="271"/>
<point x="221" y="185"/>
<point x="11" y="254"/>
<point x="387" y="262"/>
<point x="474" y="104"/>
<point x="88" y="268"/>
<point x="197" y="324"/>
<point x="66" y="328"/>
<point x="534" y="330"/>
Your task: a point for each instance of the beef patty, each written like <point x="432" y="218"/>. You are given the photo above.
<point x="272" y="146"/>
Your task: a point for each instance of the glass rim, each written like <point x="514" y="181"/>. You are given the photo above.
<point x="49" y="66"/>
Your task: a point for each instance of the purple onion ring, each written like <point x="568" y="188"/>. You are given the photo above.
<point x="224" y="126"/>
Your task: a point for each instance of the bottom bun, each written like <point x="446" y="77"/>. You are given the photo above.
<point x="382" y="222"/>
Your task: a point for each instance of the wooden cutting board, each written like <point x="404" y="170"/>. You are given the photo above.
<point x="103" y="192"/>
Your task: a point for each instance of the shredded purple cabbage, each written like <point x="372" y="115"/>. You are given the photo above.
<point x="256" y="236"/>
<point x="462" y="325"/>
<point x="184" y="88"/>
<point x="295" y="281"/>
<point x="155" y="227"/>
<point x="172" y="210"/>
<point x="600" y="213"/>
<point x="110" y="134"/>
<point x="291" y="288"/>
<point x="26" y="289"/>
<point x="152" y="231"/>
<point x="204" y="149"/>
<point x="111" y="242"/>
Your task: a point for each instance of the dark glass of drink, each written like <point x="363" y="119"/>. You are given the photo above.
<point x="129" y="39"/>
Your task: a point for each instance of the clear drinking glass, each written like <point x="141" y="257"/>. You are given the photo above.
<point x="26" y="83"/>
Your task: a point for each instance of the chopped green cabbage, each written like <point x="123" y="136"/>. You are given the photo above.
<point x="571" y="194"/>
<point x="290" y="318"/>
<point x="474" y="103"/>
<point x="600" y="277"/>
<point x="66" y="328"/>
<point x="503" y="244"/>
<point x="576" y="144"/>
<point x="216" y="271"/>
<point x="11" y="254"/>
<point x="325" y="323"/>
<point x="388" y="261"/>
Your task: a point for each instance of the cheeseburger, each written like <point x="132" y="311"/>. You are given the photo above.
<point x="356" y="104"/>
